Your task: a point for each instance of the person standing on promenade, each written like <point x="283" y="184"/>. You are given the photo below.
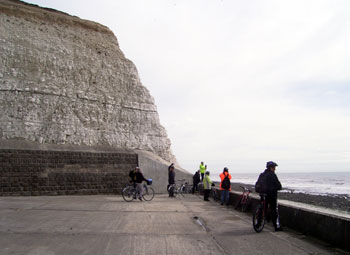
<point x="269" y="184"/>
<point x="196" y="180"/>
<point x="171" y="165"/>
<point x="171" y="179"/>
<point x="202" y="170"/>
<point x="169" y="168"/>
<point x="207" y="183"/>
<point x="225" y="186"/>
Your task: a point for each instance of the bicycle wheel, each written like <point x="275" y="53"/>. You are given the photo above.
<point x="200" y="190"/>
<point x="200" y="194"/>
<point x="175" y="191"/>
<point x="215" y="196"/>
<point x="188" y="189"/>
<point x="245" y="204"/>
<point x="128" y="193"/>
<point x="238" y="202"/>
<point x="172" y="191"/>
<point x="182" y="191"/>
<point x="258" y="221"/>
<point x="148" y="194"/>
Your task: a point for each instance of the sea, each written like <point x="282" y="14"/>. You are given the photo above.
<point x="322" y="183"/>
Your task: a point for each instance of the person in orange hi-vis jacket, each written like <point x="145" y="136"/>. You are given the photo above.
<point x="225" y="186"/>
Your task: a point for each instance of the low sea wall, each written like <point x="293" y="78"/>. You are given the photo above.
<point x="313" y="221"/>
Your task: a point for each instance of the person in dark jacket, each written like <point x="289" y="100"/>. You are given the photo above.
<point x="132" y="175"/>
<point x="196" y="180"/>
<point x="172" y="165"/>
<point x="171" y="179"/>
<point x="137" y="178"/>
<point x="272" y="185"/>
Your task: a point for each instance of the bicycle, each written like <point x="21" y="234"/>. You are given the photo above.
<point x="214" y="194"/>
<point x="259" y="216"/>
<point x="184" y="187"/>
<point x="200" y="191"/>
<point x="174" y="189"/>
<point x="129" y="192"/>
<point x="244" y="199"/>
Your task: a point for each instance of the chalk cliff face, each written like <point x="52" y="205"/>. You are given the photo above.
<point x="64" y="80"/>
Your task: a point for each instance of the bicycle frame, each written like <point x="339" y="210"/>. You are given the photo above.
<point x="245" y="195"/>
<point x="134" y="191"/>
<point x="263" y="205"/>
<point x="215" y="194"/>
<point x="183" y="186"/>
<point x="130" y="192"/>
<point x="200" y="189"/>
<point x="244" y="199"/>
<point x="178" y="189"/>
<point x="173" y="188"/>
<point x="259" y="215"/>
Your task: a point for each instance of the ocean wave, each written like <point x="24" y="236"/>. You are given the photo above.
<point x="310" y="183"/>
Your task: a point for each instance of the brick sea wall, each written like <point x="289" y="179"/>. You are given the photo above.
<point x="39" y="172"/>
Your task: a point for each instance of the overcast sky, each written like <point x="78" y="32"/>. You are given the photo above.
<point x="238" y="83"/>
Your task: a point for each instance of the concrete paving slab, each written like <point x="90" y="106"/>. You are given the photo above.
<point x="108" y="225"/>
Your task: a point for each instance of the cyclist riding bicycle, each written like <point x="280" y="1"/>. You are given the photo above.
<point x="137" y="178"/>
<point x="270" y="185"/>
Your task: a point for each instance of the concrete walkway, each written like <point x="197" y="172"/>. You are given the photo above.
<point x="99" y="225"/>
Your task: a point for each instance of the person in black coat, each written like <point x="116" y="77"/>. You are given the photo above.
<point x="196" y="180"/>
<point x="273" y="185"/>
<point x="171" y="178"/>
<point x="172" y="165"/>
<point x="137" y="178"/>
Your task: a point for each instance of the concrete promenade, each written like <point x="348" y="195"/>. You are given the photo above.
<point x="100" y="225"/>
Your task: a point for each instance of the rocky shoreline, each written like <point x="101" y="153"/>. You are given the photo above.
<point x="336" y="202"/>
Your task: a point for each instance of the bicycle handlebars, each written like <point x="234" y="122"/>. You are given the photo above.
<point x="245" y="188"/>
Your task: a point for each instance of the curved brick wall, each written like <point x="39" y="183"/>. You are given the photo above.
<point x="38" y="172"/>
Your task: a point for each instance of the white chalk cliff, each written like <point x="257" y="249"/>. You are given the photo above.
<point x="64" y="80"/>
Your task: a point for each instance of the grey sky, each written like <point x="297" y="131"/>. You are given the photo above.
<point x="238" y="83"/>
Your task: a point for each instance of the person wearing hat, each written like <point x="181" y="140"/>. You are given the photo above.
<point x="137" y="178"/>
<point x="132" y="175"/>
<point x="273" y="185"/>
<point x="225" y="186"/>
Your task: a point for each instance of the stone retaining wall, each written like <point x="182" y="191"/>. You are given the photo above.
<point x="39" y="172"/>
<point x="157" y="169"/>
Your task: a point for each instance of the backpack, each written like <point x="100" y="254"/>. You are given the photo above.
<point x="260" y="185"/>
<point x="226" y="184"/>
